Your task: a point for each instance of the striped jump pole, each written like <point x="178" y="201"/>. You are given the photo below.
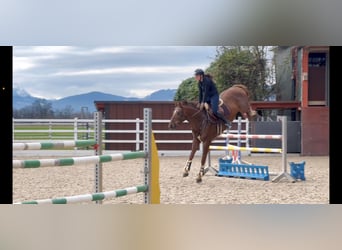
<point x="78" y="160"/>
<point x="52" y="145"/>
<point x="90" y="197"/>
<point x="260" y="150"/>
<point x="283" y="150"/>
<point x="237" y="136"/>
<point x="150" y="188"/>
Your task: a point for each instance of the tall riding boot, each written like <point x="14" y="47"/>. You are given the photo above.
<point x="226" y="122"/>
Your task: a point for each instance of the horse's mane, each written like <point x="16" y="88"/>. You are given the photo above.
<point x="192" y="104"/>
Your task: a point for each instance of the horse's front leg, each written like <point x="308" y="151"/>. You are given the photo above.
<point x="203" y="160"/>
<point x="195" y="145"/>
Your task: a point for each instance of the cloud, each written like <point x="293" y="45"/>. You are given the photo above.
<point x="22" y="63"/>
<point x="59" y="71"/>
<point x="130" y="70"/>
<point x="140" y="93"/>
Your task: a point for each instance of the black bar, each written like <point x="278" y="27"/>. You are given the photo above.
<point x="6" y="179"/>
<point x="335" y="195"/>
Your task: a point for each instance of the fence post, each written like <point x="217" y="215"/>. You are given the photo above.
<point x="87" y="133"/>
<point x="98" y="151"/>
<point x="247" y="133"/>
<point x="137" y="134"/>
<point x="239" y="139"/>
<point x="75" y="130"/>
<point x="50" y="130"/>
<point x="147" y="149"/>
<point x="284" y="153"/>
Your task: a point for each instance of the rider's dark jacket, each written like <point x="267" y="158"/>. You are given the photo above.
<point x="207" y="89"/>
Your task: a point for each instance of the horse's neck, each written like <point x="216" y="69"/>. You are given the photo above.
<point x="195" y="118"/>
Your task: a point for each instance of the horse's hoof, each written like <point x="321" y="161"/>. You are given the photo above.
<point x="185" y="174"/>
<point x="198" y="179"/>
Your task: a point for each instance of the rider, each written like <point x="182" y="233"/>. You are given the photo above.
<point x="208" y="94"/>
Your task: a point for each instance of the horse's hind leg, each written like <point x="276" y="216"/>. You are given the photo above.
<point x="246" y="110"/>
<point x="195" y="144"/>
<point x="251" y="112"/>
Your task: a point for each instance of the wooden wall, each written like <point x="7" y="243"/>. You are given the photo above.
<point x="133" y="110"/>
<point x="315" y="131"/>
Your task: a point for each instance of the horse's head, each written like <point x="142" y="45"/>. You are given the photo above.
<point x="178" y="116"/>
<point x="184" y="110"/>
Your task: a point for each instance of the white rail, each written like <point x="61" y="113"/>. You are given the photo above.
<point x="80" y="129"/>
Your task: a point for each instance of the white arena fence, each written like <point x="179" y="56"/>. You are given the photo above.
<point x="83" y="129"/>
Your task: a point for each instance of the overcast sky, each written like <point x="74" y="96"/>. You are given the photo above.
<point x="55" y="72"/>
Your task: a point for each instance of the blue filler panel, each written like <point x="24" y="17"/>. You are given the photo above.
<point x="243" y="170"/>
<point x="297" y="170"/>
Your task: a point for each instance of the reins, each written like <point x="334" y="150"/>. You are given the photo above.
<point x="203" y="122"/>
<point x="196" y="113"/>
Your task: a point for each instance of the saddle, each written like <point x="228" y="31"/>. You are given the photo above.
<point x="223" y="109"/>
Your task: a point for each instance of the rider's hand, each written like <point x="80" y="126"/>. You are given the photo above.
<point x="206" y="106"/>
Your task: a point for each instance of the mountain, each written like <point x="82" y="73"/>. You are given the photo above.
<point x="161" y="95"/>
<point x="87" y="100"/>
<point x="21" y="99"/>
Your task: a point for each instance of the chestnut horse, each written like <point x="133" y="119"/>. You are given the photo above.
<point x="205" y="128"/>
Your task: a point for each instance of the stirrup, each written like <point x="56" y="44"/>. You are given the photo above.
<point x="228" y="124"/>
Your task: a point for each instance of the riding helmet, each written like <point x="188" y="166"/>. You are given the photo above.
<point x="199" y="72"/>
